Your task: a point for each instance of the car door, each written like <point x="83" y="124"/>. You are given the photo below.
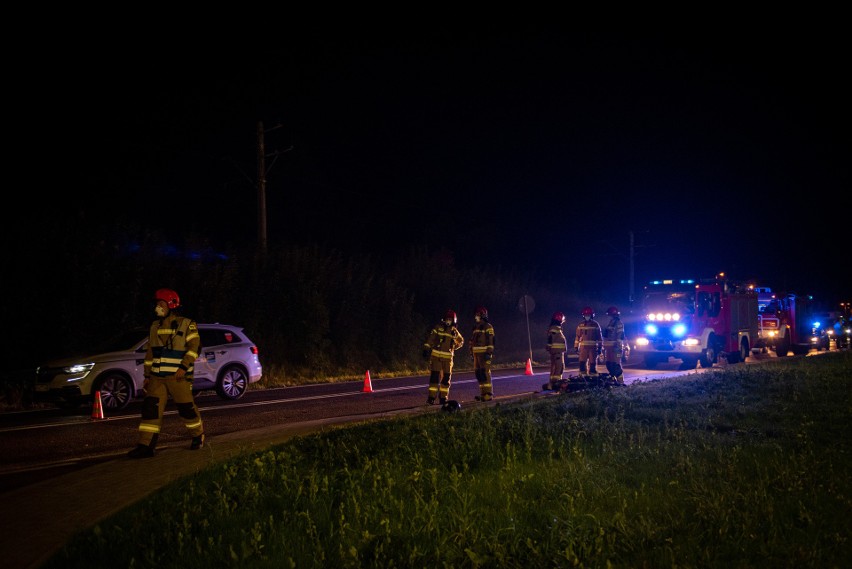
<point x="215" y="354"/>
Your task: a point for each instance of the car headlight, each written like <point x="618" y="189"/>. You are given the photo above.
<point x="77" y="372"/>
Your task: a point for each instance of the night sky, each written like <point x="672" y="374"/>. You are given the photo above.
<point x="721" y="148"/>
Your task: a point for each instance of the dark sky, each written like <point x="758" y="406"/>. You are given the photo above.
<point x="722" y="148"/>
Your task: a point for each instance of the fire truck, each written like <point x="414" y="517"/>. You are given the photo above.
<point x="696" y="321"/>
<point x="788" y="322"/>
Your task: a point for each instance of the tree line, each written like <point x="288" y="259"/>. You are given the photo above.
<point x="312" y="310"/>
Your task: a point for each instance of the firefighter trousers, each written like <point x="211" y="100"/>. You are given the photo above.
<point x="588" y="359"/>
<point x="482" y="371"/>
<point x="557" y="366"/>
<point x="440" y="377"/>
<point x="613" y="364"/>
<point x="154" y="406"/>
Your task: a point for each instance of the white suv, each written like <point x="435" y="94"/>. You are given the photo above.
<point x="228" y="363"/>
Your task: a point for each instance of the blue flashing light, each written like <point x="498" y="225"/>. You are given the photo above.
<point x="651" y="329"/>
<point x="679" y="330"/>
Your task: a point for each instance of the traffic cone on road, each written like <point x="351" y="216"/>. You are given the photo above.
<point x="97" y="407"/>
<point x="368" y="385"/>
<point x="529" y="368"/>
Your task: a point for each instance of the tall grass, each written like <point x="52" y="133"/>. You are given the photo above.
<point x="743" y="467"/>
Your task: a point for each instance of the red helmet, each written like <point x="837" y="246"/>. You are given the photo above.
<point x="612" y="311"/>
<point x="481" y="311"/>
<point x="168" y="296"/>
<point x="587" y="311"/>
<point x="451" y="316"/>
<point x="559" y="317"/>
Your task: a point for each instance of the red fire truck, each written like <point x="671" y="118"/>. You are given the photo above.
<point x="787" y="322"/>
<point x="696" y="321"/>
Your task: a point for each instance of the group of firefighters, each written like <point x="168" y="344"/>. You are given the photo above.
<point x="590" y="341"/>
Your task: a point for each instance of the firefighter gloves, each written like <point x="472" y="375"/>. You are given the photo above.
<point x="427" y="353"/>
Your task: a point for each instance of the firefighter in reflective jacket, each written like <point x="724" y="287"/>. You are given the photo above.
<point x="588" y="341"/>
<point x="557" y="345"/>
<point x="613" y="344"/>
<point x="173" y="346"/>
<point x="482" y="349"/>
<point x="443" y="340"/>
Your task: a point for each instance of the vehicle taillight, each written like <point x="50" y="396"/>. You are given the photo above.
<point x="253" y="350"/>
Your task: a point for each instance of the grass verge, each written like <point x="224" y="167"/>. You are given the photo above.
<point x="743" y="467"/>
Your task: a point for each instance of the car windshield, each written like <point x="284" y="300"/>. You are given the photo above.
<point x="666" y="301"/>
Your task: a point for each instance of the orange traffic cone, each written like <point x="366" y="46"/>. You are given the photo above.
<point x="368" y="385"/>
<point x="97" y="407"/>
<point x="529" y="368"/>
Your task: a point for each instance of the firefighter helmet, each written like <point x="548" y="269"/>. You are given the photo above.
<point x="451" y="406"/>
<point x="168" y="296"/>
<point x="481" y="311"/>
<point x="612" y="311"/>
<point x="559" y="317"/>
<point x="587" y="311"/>
<point x="451" y="316"/>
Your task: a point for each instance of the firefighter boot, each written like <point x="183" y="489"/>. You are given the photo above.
<point x="197" y="442"/>
<point x="144" y="451"/>
<point x="434" y="381"/>
<point x="444" y="389"/>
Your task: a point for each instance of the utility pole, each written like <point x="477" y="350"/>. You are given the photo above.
<point x="632" y="270"/>
<point x="261" y="190"/>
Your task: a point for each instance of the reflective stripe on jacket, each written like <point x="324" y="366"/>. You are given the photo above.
<point x="173" y="343"/>
<point x="588" y="334"/>
<point x="482" y="338"/>
<point x="556" y="341"/>
<point x="443" y="341"/>
<point x="613" y="334"/>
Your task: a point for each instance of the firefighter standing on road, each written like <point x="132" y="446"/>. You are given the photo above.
<point x="482" y="349"/>
<point x="588" y="341"/>
<point x="557" y="345"/>
<point x="443" y="340"/>
<point x="613" y="344"/>
<point x="173" y="345"/>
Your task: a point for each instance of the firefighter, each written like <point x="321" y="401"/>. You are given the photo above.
<point x="482" y="349"/>
<point x="587" y="342"/>
<point x="557" y="345"/>
<point x="613" y="344"/>
<point x="443" y="340"/>
<point x="173" y="346"/>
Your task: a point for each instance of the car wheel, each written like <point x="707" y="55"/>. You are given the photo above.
<point x="709" y="356"/>
<point x="116" y="391"/>
<point x="232" y="383"/>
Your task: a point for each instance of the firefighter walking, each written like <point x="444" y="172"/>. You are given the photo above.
<point x="173" y="346"/>
<point x="443" y="340"/>
<point x="588" y="342"/>
<point x="482" y="349"/>
<point x="613" y="344"/>
<point x="556" y="346"/>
